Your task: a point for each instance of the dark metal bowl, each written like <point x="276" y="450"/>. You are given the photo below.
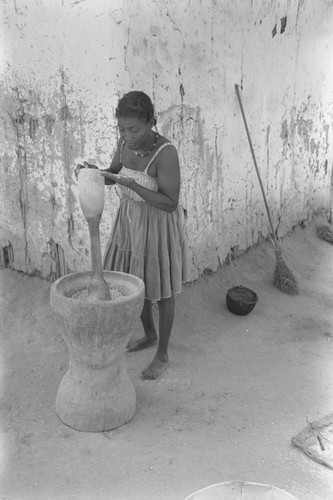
<point x="241" y="300"/>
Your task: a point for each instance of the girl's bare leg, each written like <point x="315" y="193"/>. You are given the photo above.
<point x="150" y="336"/>
<point x="161" y="360"/>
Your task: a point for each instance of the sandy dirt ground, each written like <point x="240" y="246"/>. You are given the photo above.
<point x="236" y="392"/>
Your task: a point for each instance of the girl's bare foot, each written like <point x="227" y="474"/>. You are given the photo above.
<point x="137" y="345"/>
<point x="155" y="369"/>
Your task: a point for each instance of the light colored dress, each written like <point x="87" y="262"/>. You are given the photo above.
<point x="147" y="241"/>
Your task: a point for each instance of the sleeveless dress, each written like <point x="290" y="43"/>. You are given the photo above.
<point x="147" y="241"/>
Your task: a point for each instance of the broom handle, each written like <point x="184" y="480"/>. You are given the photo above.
<point x="255" y="162"/>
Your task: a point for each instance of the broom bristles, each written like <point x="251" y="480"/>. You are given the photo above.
<point x="325" y="233"/>
<point x="283" y="277"/>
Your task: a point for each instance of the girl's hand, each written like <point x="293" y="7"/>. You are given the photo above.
<point x="85" y="165"/>
<point x="119" y="179"/>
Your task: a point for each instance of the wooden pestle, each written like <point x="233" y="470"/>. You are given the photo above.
<point x="91" y="196"/>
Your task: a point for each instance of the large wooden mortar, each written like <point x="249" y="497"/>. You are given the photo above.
<point x="96" y="394"/>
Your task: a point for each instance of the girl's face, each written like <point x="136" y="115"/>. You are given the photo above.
<point x="134" y="131"/>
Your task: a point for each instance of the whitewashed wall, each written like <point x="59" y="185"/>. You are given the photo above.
<point x="64" y="65"/>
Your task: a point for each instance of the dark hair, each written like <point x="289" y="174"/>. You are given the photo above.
<point x="136" y="104"/>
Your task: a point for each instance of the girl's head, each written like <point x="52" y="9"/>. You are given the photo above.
<point x="135" y="114"/>
<point x="138" y="105"/>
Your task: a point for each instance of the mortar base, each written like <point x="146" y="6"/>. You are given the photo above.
<point x="96" y="400"/>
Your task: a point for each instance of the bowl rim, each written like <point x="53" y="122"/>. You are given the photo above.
<point x="252" y="293"/>
<point x="264" y="487"/>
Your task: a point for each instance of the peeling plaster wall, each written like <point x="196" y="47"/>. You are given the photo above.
<point x="64" y="65"/>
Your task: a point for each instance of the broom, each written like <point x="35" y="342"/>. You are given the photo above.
<point x="283" y="277"/>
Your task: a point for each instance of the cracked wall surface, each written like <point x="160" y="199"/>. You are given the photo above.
<point x="65" y="64"/>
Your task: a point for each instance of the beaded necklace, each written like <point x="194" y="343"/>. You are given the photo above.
<point x="150" y="150"/>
